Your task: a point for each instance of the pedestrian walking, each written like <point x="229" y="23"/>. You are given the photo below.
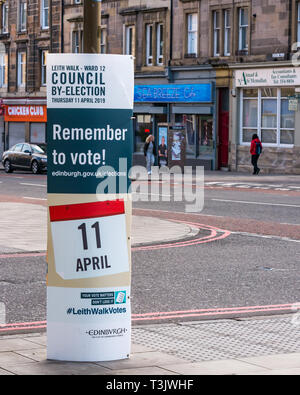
<point x="150" y="152"/>
<point x="255" y="151"/>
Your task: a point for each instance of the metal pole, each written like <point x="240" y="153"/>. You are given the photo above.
<point x="91" y="26"/>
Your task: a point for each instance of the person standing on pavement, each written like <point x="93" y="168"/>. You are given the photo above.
<point x="255" y="151"/>
<point x="150" y="152"/>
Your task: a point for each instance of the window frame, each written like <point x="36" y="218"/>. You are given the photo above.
<point x="259" y="128"/>
<point x="149" y="44"/>
<point x="76" y="33"/>
<point x="192" y="33"/>
<point x="43" y="9"/>
<point x="44" y="67"/>
<point x="129" y="40"/>
<point x="4" y="18"/>
<point x="22" y="12"/>
<point x="227" y="31"/>
<point x="216" y="33"/>
<point x="298" y="24"/>
<point x="3" y="70"/>
<point x="242" y="28"/>
<point x="103" y="40"/>
<point x="20" y="69"/>
<point x="160" y="42"/>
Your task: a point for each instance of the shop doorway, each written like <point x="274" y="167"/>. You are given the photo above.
<point x="223" y="128"/>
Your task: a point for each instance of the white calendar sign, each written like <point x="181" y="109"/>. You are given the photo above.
<point x="85" y="247"/>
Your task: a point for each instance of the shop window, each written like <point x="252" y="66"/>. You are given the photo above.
<point x="192" y="34"/>
<point x="199" y="134"/>
<point x="3" y="70"/>
<point x="206" y="136"/>
<point x="45" y="14"/>
<point x="4" y="18"/>
<point x="243" y="29"/>
<point x="143" y="127"/>
<point x="266" y="112"/>
<point x="191" y="125"/>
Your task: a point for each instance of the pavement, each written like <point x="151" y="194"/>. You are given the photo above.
<point x="145" y="230"/>
<point x="221" y="347"/>
<point x="243" y="346"/>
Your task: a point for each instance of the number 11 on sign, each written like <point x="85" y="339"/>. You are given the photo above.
<point x="96" y="226"/>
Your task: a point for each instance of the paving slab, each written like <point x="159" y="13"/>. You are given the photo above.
<point x="58" y="368"/>
<point x="145" y="359"/>
<point x="5" y="373"/>
<point x="275" y="362"/>
<point x="148" y="371"/>
<point x="15" y="217"/>
<point x="11" y="358"/>
<point x="223" y="367"/>
<point x="16" y="344"/>
<point x="36" y="355"/>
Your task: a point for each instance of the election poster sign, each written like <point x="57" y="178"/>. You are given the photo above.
<point x="89" y="146"/>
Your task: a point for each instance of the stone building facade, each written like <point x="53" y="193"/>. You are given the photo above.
<point x="213" y="42"/>
<point x="29" y="30"/>
<point x="216" y="71"/>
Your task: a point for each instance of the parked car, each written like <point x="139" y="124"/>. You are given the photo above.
<point x="25" y="156"/>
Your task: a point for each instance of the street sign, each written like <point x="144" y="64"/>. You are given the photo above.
<point x="89" y="145"/>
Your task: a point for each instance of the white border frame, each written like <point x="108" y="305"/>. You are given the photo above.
<point x="259" y="113"/>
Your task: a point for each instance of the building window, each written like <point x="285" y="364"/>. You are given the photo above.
<point x="45" y="14"/>
<point x="44" y="67"/>
<point x="160" y="44"/>
<point x="22" y="15"/>
<point x="217" y="30"/>
<point x="265" y="111"/>
<point x="3" y="70"/>
<point x="192" y="33"/>
<point x="243" y="29"/>
<point x="103" y="41"/>
<point x="77" y="41"/>
<point x="298" y="23"/>
<point x="5" y="18"/>
<point x="77" y="1"/>
<point x="227" y="32"/>
<point x="129" y="40"/>
<point x="149" y="45"/>
<point x="21" y="69"/>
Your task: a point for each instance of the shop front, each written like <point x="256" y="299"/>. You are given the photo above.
<point x="24" y="123"/>
<point x="267" y="105"/>
<point x="188" y="108"/>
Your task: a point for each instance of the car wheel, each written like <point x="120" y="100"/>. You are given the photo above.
<point x="35" y="167"/>
<point x="7" y="166"/>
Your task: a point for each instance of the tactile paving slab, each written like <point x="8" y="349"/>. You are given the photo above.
<point x="222" y="339"/>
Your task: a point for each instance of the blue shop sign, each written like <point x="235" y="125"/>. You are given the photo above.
<point x="173" y="93"/>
